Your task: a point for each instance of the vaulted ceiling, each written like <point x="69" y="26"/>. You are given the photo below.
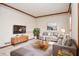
<point x="40" y="9"/>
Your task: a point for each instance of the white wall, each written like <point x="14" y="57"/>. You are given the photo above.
<point x="10" y="17"/>
<point x="61" y="20"/>
<point x="75" y="22"/>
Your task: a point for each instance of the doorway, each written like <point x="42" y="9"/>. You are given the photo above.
<point x="78" y="32"/>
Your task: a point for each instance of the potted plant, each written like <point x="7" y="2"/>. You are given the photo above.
<point x="36" y="32"/>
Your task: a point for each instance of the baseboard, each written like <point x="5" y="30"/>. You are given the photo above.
<point x="5" y="46"/>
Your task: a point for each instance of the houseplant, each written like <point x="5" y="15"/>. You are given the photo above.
<point x="36" y="32"/>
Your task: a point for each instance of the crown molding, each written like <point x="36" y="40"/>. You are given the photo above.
<point x="36" y="16"/>
<point x="17" y="9"/>
<point x="69" y="9"/>
<point x="52" y="14"/>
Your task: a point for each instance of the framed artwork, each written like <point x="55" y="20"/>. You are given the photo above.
<point x="52" y="26"/>
<point x="17" y="29"/>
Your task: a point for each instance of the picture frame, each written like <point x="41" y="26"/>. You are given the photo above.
<point x="52" y="26"/>
<point x="18" y="29"/>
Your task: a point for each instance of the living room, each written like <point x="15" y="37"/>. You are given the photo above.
<point x="49" y="18"/>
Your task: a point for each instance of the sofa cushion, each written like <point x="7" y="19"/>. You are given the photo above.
<point x="59" y="41"/>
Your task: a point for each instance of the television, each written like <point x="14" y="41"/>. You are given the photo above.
<point x="18" y="29"/>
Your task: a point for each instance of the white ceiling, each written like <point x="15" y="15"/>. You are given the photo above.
<point x="39" y="9"/>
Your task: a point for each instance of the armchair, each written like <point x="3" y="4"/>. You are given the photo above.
<point x="68" y="49"/>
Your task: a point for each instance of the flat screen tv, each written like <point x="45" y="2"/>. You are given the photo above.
<point x="18" y="29"/>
